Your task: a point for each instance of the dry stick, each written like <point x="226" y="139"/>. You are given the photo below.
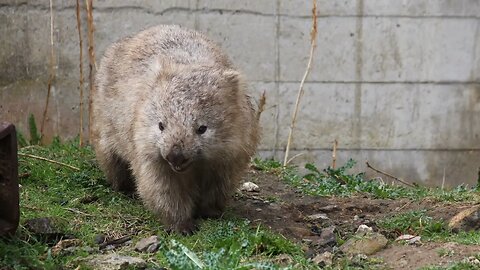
<point x="334" y="154"/>
<point x="115" y="242"/>
<point x="261" y="105"/>
<point x="313" y="35"/>
<point x="81" y="71"/>
<point x="52" y="72"/>
<point x="91" y="63"/>
<point x="389" y="175"/>
<point x="49" y="160"/>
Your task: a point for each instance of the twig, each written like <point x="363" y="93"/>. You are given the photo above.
<point x="91" y="63"/>
<point x="49" y="160"/>
<point x="52" y="72"/>
<point x="389" y="175"/>
<point x="115" y="242"/>
<point x="313" y="42"/>
<point x="79" y="23"/>
<point x="443" y="179"/>
<point x="334" y="154"/>
<point x="24" y="175"/>
<point x="76" y="211"/>
<point x="261" y="105"/>
<point x="294" y="157"/>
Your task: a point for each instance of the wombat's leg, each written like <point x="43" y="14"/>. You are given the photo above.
<point x="166" y="196"/>
<point x="214" y="196"/>
<point x="117" y="172"/>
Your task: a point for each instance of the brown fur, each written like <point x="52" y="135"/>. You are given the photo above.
<point x="178" y="77"/>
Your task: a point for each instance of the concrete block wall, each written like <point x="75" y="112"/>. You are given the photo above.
<point x="396" y="82"/>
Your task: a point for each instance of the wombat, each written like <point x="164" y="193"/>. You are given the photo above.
<point x="172" y="118"/>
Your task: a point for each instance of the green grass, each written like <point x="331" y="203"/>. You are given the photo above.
<point x="339" y="182"/>
<point x="84" y="206"/>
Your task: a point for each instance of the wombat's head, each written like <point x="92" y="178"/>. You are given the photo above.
<point x="190" y="114"/>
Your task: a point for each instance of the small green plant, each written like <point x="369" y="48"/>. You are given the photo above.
<point x="445" y="252"/>
<point x="414" y="222"/>
<point x="340" y="182"/>
<point x="35" y="137"/>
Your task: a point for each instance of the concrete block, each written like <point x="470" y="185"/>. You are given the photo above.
<point x="403" y="8"/>
<point x="147" y="7"/>
<point x="420" y="116"/>
<point x="249" y="40"/>
<point x="335" y="55"/>
<point x="324" y="8"/>
<point x="245" y="6"/>
<point x="111" y="26"/>
<point x="406" y="49"/>
<point x="326" y="113"/>
<point x="460" y="8"/>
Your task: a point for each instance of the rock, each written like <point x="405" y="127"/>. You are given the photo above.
<point x="249" y="187"/>
<point x="323" y="260"/>
<point x="319" y="216"/>
<point x="42" y="226"/>
<point x="47" y="229"/>
<point x="145" y="243"/>
<point x="100" y="239"/>
<point x="364" y="229"/>
<point x="114" y="262"/>
<point x="466" y="220"/>
<point x="327" y="237"/>
<point x="328" y="208"/>
<point x="409" y="239"/>
<point x="368" y="244"/>
<point x="153" y="248"/>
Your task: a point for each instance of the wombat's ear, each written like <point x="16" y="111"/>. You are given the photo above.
<point x="232" y="78"/>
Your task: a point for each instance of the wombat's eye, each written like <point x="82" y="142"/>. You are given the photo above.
<point x="160" y="126"/>
<point x="201" y="129"/>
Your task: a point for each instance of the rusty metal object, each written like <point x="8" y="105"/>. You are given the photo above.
<point x="9" y="193"/>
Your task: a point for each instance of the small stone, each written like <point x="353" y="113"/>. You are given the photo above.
<point x="327" y="237"/>
<point x="100" y="239"/>
<point x="410" y="239"/>
<point x="328" y="208"/>
<point x="367" y="244"/>
<point x="249" y="187"/>
<point x="323" y="260"/>
<point x="144" y="243"/>
<point x="363" y="229"/>
<point x="153" y="248"/>
<point x="319" y="216"/>
<point x="42" y="226"/>
<point x="356" y="217"/>
<point x="114" y="262"/>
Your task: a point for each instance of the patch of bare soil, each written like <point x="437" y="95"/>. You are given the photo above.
<point x="303" y="219"/>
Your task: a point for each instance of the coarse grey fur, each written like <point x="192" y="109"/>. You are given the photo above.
<point x="171" y="78"/>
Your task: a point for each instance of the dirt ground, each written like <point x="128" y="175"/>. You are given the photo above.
<point x="284" y="210"/>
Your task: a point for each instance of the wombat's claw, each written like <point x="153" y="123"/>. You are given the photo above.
<point x="184" y="228"/>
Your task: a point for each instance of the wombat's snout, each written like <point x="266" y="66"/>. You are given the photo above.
<point x="177" y="159"/>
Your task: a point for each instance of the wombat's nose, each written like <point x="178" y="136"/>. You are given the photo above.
<point x="176" y="157"/>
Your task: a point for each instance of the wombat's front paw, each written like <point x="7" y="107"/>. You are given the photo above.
<point x="185" y="228"/>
